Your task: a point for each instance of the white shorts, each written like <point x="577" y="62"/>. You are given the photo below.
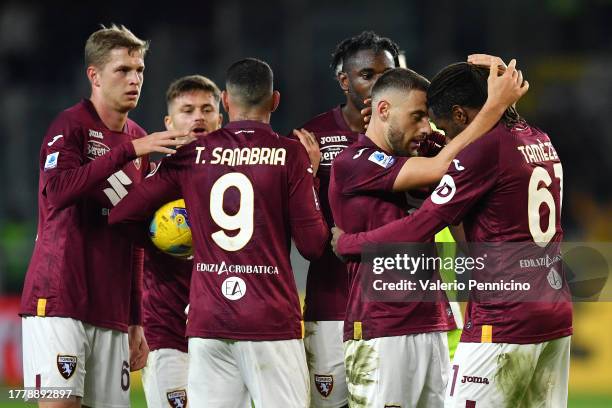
<point x="510" y="375"/>
<point x="400" y="371"/>
<point x="231" y="373"/>
<point x="325" y="358"/>
<point x="164" y="378"/>
<point x="67" y="353"/>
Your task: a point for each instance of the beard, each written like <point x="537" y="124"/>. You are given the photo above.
<point x="395" y="138"/>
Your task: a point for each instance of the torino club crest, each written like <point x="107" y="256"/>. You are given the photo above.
<point x="66" y="365"/>
<point x="177" y="399"/>
<point x="324" y="383"/>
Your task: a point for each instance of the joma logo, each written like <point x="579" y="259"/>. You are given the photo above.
<point x="473" y="379"/>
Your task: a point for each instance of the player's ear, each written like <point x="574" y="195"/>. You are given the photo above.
<point x="92" y="75"/>
<point x="220" y="123"/>
<point x="275" y="100"/>
<point x="168" y="122"/>
<point x="224" y="100"/>
<point x="343" y="81"/>
<point x="382" y="109"/>
<point x="459" y="115"/>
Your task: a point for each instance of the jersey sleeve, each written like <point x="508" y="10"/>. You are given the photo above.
<point x="159" y="187"/>
<point x="308" y="228"/>
<point x="467" y="180"/>
<point x="137" y="278"/>
<point x="65" y="173"/>
<point x="368" y="170"/>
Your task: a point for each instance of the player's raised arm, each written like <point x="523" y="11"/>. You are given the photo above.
<point x="158" y="188"/>
<point x="308" y="228"/>
<point x="503" y="91"/>
<point x="66" y="178"/>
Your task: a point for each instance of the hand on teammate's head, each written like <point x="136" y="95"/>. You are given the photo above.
<point x="485" y="60"/>
<point x="160" y="142"/>
<point x="506" y="89"/>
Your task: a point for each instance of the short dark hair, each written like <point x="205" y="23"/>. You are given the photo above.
<point x="462" y="84"/>
<point x="192" y="83"/>
<point x="251" y="80"/>
<point x="367" y="40"/>
<point x="399" y="78"/>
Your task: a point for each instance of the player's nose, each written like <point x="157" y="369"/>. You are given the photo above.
<point x="426" y="128"/>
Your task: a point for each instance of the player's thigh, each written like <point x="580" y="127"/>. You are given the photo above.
<point x="435" y="363"/>
<point x="54" y="353"/>
<point x="549" y="383"/>
<point x="214" y="378"/>
<point x="325" y="357"/>
<point x="275" y="372"/>
<point x="164" y="378"/>
<point x="490" y="374"/>
<point x="407" y="371"/>
<point x="107" y="383"/>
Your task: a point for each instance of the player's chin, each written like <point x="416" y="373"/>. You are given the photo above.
<point x="130" y="103"/>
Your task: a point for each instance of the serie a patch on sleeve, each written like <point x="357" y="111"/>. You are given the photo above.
<point x="382" y="159"/>
<point x="51" y="161"/>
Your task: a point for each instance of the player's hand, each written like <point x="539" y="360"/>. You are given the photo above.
<point x="504" y="90"/>
<point x="485" y="61"/>
<point x="309" y="141"/>
<point x="366" y="113"/>
<point x="432" y="144"/>
<point x="159" y="142"/>
<point x="139" y="349"/>
<point x="336" y="233"/>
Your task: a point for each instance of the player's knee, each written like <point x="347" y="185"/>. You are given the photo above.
<point x="71" y="403"/>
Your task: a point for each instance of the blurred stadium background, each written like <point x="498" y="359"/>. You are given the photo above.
<point x="563" y="46"/>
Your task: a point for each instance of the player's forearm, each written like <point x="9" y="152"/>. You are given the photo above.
<point x="311" y="240"/>
<point x="408" y="229"/>
<point x="484" y="121"/>
<point x="130" y="211"/>
<point x="65" y="187"/>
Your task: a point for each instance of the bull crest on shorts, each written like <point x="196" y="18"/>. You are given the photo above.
<point x="324" y="383"/>
<point x="177" y="399"/>
<point x="66" y="365"/>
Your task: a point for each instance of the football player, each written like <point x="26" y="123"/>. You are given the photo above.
<point x="81" y="298"/>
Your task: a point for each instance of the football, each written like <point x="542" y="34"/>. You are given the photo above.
<point x="170" y="230"/>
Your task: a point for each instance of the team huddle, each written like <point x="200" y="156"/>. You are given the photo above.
<point x="224" y="328"/>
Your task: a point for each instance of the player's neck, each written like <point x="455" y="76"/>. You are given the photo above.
<point x="254" y="116"/>
<point x="352" y="117"/>
<point x="111" y="118"/>
<point x="375" y="133"/>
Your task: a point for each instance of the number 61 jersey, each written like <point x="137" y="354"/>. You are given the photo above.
<point x="247" y="192"/>
<point x="507" y="188"/>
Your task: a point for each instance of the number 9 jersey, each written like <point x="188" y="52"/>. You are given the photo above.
<point x="248" y="191"/>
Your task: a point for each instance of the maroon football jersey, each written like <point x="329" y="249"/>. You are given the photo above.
<point x="362" y="198"/>
<point x="165" y="297"/>
<point x="82" y="268"/>
<point x="506" y="187"/>
<point x="247" y="191"/>
<point x="327" y="280"/>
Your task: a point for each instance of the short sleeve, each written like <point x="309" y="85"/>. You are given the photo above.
<point x="367" y="170"/>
